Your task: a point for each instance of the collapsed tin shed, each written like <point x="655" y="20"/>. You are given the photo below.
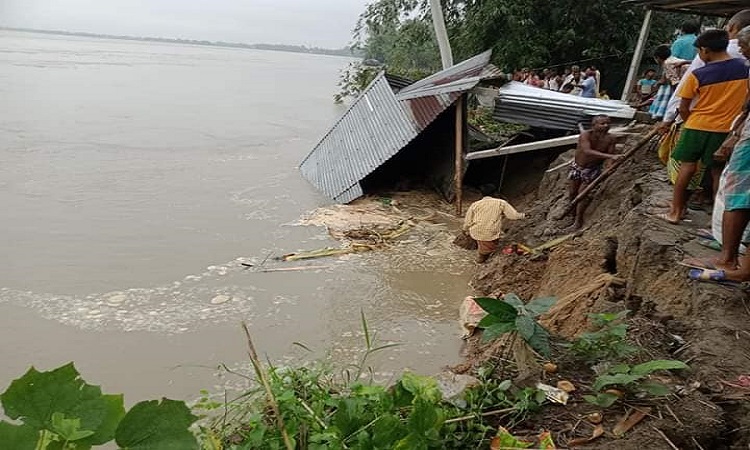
<point x="392" y="132"/>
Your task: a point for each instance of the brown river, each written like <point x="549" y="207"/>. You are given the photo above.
<point x="135" y="178"/>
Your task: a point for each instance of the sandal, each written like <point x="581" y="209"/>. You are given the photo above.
<point x="712" y="276"/>
<point x="702" y="233"/>
<point x="713" y="244"/>
<point x="699" y="263"/>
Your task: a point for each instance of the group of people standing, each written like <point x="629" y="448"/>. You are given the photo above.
<point x="703" y="103"/>
<point x="707" y="107"/>
<point x="571" y="81"/>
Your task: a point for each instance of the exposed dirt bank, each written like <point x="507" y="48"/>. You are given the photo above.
<point x="702" y="324"/>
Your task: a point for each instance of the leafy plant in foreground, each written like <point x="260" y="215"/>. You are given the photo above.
<point x="607" y="343"/>
<point x="60" y="411"/>
<point x="512" y="314"/>
<point x="631" y="379"/>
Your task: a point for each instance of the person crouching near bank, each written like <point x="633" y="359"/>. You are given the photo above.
<point x="484" y="221"/>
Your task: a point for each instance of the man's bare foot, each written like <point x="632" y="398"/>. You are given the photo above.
<point x="710" y="263"/>
<point x="668" y="217"/>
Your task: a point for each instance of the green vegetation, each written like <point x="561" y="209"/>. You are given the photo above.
<point x="521" y="33"/>
<point x="511" y="314"/>
<point x="350" y="411"/>
<point x="498" y="131"/>
<point x="314" y="407"/>
<point x="322" y="412"/>
<point x="58" y="410"/>
<point x="632" y="380"/>
<point x="607" y="343"/>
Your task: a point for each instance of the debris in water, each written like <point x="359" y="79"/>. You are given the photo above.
<point x="117" y="298"/>
<point x="219" y="299"/>
<point x="322" y="253"/>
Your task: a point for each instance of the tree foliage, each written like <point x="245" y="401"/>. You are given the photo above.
<point x="521" y="33"/>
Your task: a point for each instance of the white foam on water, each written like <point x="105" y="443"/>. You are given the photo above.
<point x="175" y="307"/>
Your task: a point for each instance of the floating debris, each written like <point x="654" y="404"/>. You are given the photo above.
<point x="219" y="299"/>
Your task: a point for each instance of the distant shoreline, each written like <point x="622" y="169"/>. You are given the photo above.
<point x="347" y="52"/>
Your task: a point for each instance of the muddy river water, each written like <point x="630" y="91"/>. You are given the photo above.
<point x="135" y="178"/>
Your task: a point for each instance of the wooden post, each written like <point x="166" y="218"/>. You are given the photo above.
<point x="458" y="179"/>
<point x="635" y="63"/>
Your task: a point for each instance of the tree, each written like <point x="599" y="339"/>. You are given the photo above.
<point x="522" y="33"/>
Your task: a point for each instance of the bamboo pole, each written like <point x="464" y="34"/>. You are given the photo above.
<point x="635" y="63"/>
<point x="459" y="169"/>
<point x="441" y="35"/>
<point x="625" y="156"/>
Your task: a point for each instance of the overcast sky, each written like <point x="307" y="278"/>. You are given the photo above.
<point x="323" y="23"/>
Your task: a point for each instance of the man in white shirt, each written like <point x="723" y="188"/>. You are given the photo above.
<point x="733" y="27"/>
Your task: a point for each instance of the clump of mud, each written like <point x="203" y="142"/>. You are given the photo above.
<point x="705" y="325"/>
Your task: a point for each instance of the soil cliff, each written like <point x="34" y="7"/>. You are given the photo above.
<point x="705" y="325"/>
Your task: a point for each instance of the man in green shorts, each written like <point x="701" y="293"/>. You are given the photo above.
<point x="719" y="89"/>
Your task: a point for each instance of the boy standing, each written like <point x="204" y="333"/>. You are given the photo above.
<point x="720" y="88"/>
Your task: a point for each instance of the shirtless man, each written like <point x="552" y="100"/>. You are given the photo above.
<point x="594" y="147"/>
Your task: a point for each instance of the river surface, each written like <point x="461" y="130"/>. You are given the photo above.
<point x="134" y="179"/>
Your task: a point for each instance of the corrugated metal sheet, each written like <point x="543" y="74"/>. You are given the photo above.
<point x="379" y="124"/>
<point x="371" y="131"/>
<point x="697" y="7"/>
<point x="528" y="105"/>
<point x="397" y="83"/>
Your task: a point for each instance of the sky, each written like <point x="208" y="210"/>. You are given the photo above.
<point x="321" y="23"/>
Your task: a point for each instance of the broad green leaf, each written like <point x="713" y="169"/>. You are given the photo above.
<point x="525" y="326"/>
<point x="604" y="399"/>
<point x="513" y="300"/>
<point x="540" y="306"/>
<point x="421" y="387"/>
<point x="655" y="389"/>
<point x="505" y="385"/>
<point x="659" y="364"/>
<point x="619" y="368"/>
<point x="350" y="415"/>
<point x="489" y="320"/>
<point x="35" y="396"/>
<point x="498" y="330"/>
<point x="539" y="341"/>
<point x="387" y="430"/>
<point x="68" y="429"/>
<point x="157" y="425"/>
<point x="620" y="379"/>
<point x="425" y="416"/>
<point x="502" y="310"/>
<point x="113" y="413"/>
<point x="411" y="442"/>
<point x="18" y="437"/>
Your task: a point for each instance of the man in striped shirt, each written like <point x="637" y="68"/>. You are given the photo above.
<point x="484" y="222"/>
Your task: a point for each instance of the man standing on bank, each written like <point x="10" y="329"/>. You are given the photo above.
<point x="484" y="221"/>
<point x="594" y="147"/>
